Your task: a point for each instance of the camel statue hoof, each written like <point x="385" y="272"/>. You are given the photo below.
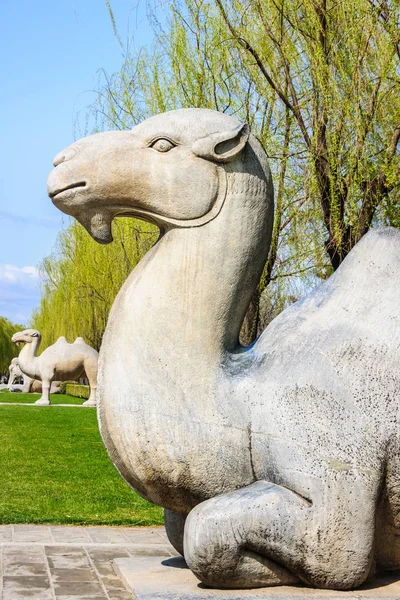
<point x="41" y="402"/>
<point x="90" y="403"/>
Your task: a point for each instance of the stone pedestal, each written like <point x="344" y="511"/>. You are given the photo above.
<point x="155" y="578"/>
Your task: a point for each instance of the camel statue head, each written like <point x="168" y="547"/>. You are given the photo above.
<point x="170" y="170"/>
<point x="26" y="337"/>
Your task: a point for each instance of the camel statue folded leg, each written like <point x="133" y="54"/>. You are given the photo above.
<point x="60" y="362"/>
<point x="276" y="463"/>
<point x="15" y="372"/>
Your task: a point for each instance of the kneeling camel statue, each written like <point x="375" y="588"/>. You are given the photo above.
<point x="275" y="463"/>
<point x="15" y="372"/>
<point x="60" y="362"/>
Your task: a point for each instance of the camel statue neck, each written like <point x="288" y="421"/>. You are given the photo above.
<point x="27" y="357"/>
<point x="190" y="293"/>
<point x="174" y="321"/>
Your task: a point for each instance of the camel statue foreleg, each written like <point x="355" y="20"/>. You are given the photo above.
<point x="91" y="401"/>
<point x="11" y="381"/>
<point x="265" y="535"/>
<point x="91" y="373"/>
<point x="44" y="400"/>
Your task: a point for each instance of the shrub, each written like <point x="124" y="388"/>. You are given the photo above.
<point x="63" y="386"/>
<point x="79" y="391"/>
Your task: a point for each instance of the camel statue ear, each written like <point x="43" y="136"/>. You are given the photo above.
<point x="222" y="146"/>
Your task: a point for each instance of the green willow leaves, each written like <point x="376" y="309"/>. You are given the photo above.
<point x="7" y="349"/>
<point x="82" y="278"/>
<point x="317" y="81"/>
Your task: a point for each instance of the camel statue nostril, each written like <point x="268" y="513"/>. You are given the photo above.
<point x="59" y="159"/>
<point x="64" y="156"/>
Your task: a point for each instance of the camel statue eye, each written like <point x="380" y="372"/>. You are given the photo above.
<point x="162" y="145"/>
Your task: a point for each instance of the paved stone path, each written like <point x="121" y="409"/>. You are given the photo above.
<point x="39" y="562"/>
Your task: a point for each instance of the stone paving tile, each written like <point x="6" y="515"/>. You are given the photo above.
<point x="121" y="595"/>
<point x="1" y="572"/>
<point x="40" y="562"/>
<point x="78" y="589"/>
<point x="80" y="597"/>
<point x="27" y="561"/>
<point x="81" y="575"/>
<point x="152" y="550"/>
<point x="102" y="559"/>
<point x="146" y="535"/>
<point x="32" y="533"/>
<point x="70" y="534"/>
<point x="62" y="549"/>
<point x="84" y="597"/>
<point x="113" y="584"/>
<point x="76" y="559"/>
<point x="33" y="587"/>
<point x="108" y="535"/>
<point x="6" y="533"/>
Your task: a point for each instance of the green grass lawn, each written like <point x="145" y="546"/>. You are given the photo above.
<point x="18" y="397"/>
<point x="55" y="469"/>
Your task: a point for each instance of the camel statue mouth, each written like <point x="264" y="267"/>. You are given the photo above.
<point x="58" y="191"/>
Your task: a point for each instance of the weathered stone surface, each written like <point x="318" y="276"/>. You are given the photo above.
<point x="285" y="455"/>
<point x="155" y="579"/>
<point x="59" y="362"/>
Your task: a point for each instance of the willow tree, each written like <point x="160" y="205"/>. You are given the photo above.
<point x="316" y="80"/>
<point x="7" y="349"/>
<point x="81" y="279"/>
<point x="335" y="67"/>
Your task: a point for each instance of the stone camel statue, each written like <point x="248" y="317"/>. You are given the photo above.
<point x="29" y="385"/>
<point x="61" y="361"/>
<point x="275" y="463"/>
<point x="15" y="372"/>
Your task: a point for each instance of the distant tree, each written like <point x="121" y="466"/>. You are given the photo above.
<point x="8" y="350"/>
<point x="81" y="279"/>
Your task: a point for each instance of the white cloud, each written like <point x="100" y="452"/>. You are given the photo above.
<point x="19" y="292"/>
<point x="15" y="274"/>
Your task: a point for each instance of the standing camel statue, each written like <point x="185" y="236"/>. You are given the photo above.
<point x="60" y="362"/>
<point x="29" y="385"/>
<point x="275" y="463"/>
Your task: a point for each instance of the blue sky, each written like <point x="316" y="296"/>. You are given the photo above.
<point x="51" y="54"/>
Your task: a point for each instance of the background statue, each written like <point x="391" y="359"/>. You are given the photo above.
<point x="29" y="385"/>
<point x="60" y="362"/>
<point x="276" y="463"/>
<point x="16" y="372"/>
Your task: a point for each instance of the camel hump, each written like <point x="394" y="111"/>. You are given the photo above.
<point x="80" y="340"/>
<point x="375" y="255"/>
<point x="380" y="243"/>
<point x="61" y="340"/>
